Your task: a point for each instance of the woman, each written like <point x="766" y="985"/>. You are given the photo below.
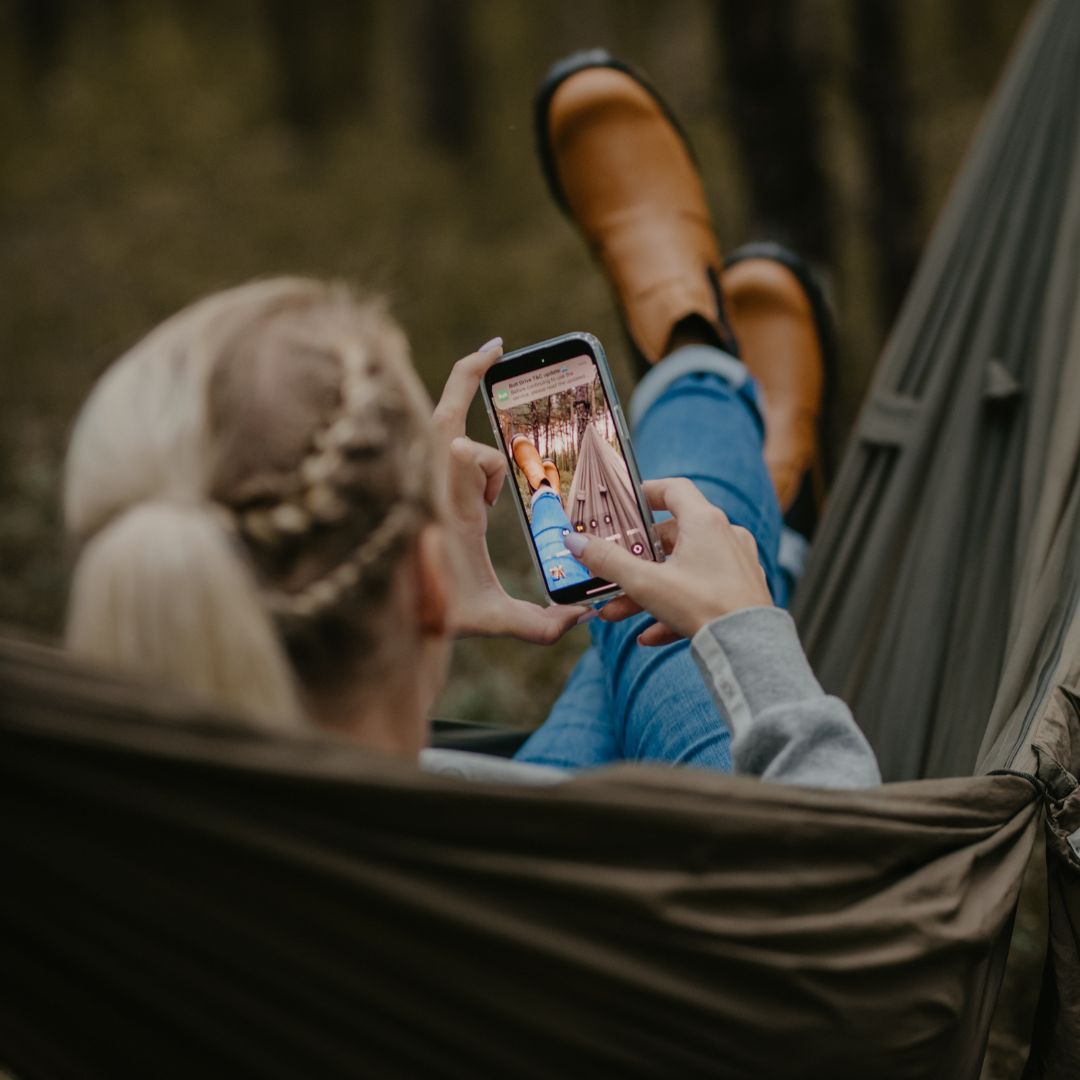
<point x="267" y="513"/>
<point x="254" y="488"/>
<point x="263" y="517"/>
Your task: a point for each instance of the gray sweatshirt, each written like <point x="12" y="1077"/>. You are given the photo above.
<point x="784" y="727"/>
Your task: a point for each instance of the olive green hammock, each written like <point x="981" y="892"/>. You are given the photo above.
<point x="179" y="897"/>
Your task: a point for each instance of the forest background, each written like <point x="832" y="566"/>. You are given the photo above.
<point x="156" y="150"/>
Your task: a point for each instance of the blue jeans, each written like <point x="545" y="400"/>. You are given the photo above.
<point x="549" y="526"/>
<point x="695" y="415"/>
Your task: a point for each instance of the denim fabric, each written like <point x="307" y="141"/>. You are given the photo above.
<point x="579" y="730"/>
<point x="702" y="421"/>
<point x="550" y="525"/>
<point x="690" y="360"/>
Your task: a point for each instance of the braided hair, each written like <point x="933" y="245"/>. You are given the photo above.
<point x="285" y="442"/>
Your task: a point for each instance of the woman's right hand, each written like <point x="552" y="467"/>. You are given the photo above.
<point x="712" y="567"/>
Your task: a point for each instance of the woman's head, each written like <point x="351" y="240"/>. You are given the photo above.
<point x="251" y="489"/>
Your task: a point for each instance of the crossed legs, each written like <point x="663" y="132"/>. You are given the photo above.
<point x="695" y="415"/>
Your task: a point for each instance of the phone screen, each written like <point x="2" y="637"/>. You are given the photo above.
<point x="570" y="469"/>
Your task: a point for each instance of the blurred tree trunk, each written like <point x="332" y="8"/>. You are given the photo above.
<point x="772" y="93"/>
<point x="973" y="57"/>
<point x="41" y="27"/>
<point x="583" y="411"/>
<point x="445" y="74"/>
<point x="882" y="105"/>
<point x="319" y="57"/>
<point x="534" y="423"/>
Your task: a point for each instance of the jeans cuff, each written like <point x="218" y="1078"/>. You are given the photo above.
<point x="689" y="360"/>
<point x="794" y="548"/>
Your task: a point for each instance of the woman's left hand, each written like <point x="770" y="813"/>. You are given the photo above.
<point x="479" y="604"/>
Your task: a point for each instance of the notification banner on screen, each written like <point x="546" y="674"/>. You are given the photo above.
<point x="544" y="382"/>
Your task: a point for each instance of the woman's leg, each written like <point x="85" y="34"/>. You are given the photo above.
<point x="547" y="517"/>
<point x="695" y="412"/>
<point x="695" y="415"/>
<point x="579" y="732"/>
<point x="550" y="526"/>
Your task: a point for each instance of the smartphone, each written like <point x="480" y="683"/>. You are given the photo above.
<point x="557" y="418"/>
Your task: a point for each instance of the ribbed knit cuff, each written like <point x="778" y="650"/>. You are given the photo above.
<point x="752" y="660"/>
<point x="689" y="360"/>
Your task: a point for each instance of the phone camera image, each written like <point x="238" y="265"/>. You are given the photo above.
<point x="570" y="470"/>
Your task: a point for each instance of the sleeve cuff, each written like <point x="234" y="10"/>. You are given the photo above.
<point x="752" y="660"/>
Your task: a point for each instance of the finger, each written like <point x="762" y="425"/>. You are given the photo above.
<point x="490" y="463"/>
<point x="622" y="607"/>
<point x="494" y="466"/>
<point x="746" y="540"/>
<point x="677" y="495"/>
<point x="668" y="532"/>
<point x="658" y="634"/>
<point x="539" y="625"/>
<point x="608" y="560"/>
<point x="461" y="386"/>
<point x="468" y="477"/>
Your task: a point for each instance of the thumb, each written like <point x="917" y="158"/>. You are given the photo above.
<point x="609" y="560"/>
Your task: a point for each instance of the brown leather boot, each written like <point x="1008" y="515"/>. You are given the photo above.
<point x="551" y="471"/>
<point x="617" y="162"/>
<point x="779" y="317"/>
<point x="528" y="461"/>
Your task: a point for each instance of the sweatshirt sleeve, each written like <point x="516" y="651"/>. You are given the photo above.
<point x="784" y="727"/>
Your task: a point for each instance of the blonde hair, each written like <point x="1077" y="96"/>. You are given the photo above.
<point x="241" y="486"/>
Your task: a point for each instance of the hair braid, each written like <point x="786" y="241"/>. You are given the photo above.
<point x="326" y="592"/>
<point x="240" y="485"/>
<point x="322" y="490"/>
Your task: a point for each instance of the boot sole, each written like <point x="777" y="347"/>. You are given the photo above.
<point x="803" y="513"/>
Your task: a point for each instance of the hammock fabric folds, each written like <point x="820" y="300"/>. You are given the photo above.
<point x="181" y="896"/>
<point x="601" y="499"/>
<point x="184" y="899"/>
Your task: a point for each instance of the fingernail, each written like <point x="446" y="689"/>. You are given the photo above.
<point x="586" y="617"/>
<point x="575" y="543"/>
<point x="494" y="343"/>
